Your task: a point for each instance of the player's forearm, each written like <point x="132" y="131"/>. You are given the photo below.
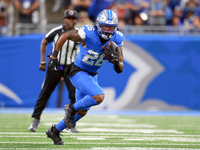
<point x="118" y="67"/>
<point x="42" y="52"/>
<point x="59" y="45"/>
<point x="121" y="63"/>
<point x="43" y="48"/>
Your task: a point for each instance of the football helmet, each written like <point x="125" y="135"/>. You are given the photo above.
<point x="107" y="18"/>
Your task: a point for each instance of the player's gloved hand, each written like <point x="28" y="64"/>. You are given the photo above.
<point x="111" y="51"/>
<point x="115" y="56"/>
<point x="53" y="64"/>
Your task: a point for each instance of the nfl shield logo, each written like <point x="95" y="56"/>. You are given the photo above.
<point x="71" y="12"/>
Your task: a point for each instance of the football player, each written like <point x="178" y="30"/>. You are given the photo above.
<point x="83" y="72"/>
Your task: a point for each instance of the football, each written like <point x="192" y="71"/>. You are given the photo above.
<point x="111" y="51"/>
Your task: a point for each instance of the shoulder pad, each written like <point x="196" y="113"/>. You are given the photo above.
<point x="119" y="37"/>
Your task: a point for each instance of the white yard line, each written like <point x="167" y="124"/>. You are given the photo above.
<point x="138" y="148"/>
<point x="130" y="130"/>
<point x="92" y="143"/>
<point x="105" y="148"/>
<point x="30" y="133"/>
<point x="126" y="138"/>
<point x="25" y="136"/>
<point x="132" y="134"/>
<point x="103" y="134"/>
<point x="177" y="139"/>
<point x="83" y="124"/>
<point x="90" y="138"/>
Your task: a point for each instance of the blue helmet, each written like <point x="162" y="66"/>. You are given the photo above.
<point x="109" y="18"/>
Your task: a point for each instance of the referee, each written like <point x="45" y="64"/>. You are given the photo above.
<point x="66" y="56"/>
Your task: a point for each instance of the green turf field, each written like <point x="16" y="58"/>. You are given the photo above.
<point x="100" y="132"/>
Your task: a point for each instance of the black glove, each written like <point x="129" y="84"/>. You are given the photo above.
<point x="53" y="64"/>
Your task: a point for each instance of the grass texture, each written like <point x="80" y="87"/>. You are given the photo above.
<point x="104" y="132"/>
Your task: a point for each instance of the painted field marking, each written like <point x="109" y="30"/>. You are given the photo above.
<point x="103" y="120"/>
<point x="81" y="124"/>
<point x="130" y="130"/>
<point x="90" y="138"/>
<point x="175" y="139"/>
<point x="100" y="143"/>
<point x="137" y="148"/>
<point x="166" y="138"/>
<point x="104" y="148"/>
<point x="24" y="136"/>
<point x="20" y="133"/>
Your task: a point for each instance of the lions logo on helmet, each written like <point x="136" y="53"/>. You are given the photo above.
<point x="109" y="18"/>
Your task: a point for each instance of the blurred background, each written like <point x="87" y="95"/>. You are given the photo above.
<point x="161" y="50"/>
<point x="135" y="16"/>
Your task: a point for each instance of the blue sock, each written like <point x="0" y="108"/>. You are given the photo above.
<point x="85" y="102"/>
<point x="61" y="125"/>
<point x="76" y="118"/>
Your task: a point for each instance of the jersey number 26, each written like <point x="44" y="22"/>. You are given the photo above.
<point x="93" y="58"/>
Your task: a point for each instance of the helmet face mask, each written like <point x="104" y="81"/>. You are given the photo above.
<point x="107" y="19"/>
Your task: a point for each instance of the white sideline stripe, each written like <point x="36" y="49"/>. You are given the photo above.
<point x="108" y="120"/>
<point x="87" y="138"/>
<point x="129" y="130"/>
<point x="80" y="143"/>
<point x="46" y="148"/>
<point x="165" y="138"/>
<point x="110" y="148"/>
<point x="177" y="139"/>
<point x="23" y="136"/>
<point x="134" y="139"/>
<point x="106" y="148"/>
<point x="28" y="142"/>
<point x="106" y="134"/>
<point x="81" y="124"/>
<point x="137" y="148"/>
<point x="21" y="133"/>
<point x="132" y="134"/>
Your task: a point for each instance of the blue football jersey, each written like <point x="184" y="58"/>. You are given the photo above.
<point x="91" y="57"/>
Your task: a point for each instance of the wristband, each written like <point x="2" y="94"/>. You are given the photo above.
<point x="55" y="53"/>
<point x="43" y="62"/>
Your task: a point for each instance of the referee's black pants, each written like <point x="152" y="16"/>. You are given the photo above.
<point x="51" y="81"/>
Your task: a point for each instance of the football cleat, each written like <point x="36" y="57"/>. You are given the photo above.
<point x="72" y="130"/>
<point x="55" y="137"/>
<point x="69" y="116"/>
<point x="33" y="127"/>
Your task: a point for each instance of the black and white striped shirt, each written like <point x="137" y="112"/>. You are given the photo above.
<point x="69" y="50"/>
